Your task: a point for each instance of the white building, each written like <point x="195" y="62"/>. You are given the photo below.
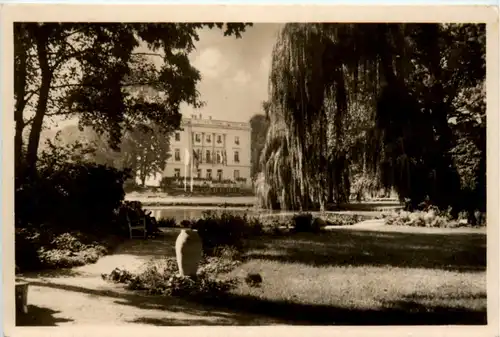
<point x="216" y="151"/>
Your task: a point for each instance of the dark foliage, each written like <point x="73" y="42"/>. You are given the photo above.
<point x="133" y="211"/>
<point x="304" y="223"/>
<point x="167" y="222"/>
<point x="223" y="229"/>
<point x="75" y="196"/>
<point x="48" y="248"/>
<point x="162" y="278"/>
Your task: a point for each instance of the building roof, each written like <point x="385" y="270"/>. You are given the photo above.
<point x="196" y="120"/>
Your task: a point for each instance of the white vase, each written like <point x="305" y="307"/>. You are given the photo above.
<point x="188" y="251"/>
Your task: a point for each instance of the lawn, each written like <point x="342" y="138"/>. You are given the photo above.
<point x="366" y="278"/>
<point x="343" y="277"/>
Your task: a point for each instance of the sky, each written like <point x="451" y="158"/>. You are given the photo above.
<point x="234" y="73"/>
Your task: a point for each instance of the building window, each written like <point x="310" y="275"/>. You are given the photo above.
<point x="209" y="174"/>
<point x="198" y="173"/>
<point x="208" y="156"/>
<point x="209" y="139"/>
<point x="236" y="174"/>
<point x="219" y="157"/>
<point x="177" y="136"/>
<point x="219" y="175"/>
<point x="197" y="138"/>
<point x="236" y="157"/>
<point x="219" y="139"/>
<point x="237" y="140"/>
<point x="177" y="155"/>
<point x="177" y="173"/>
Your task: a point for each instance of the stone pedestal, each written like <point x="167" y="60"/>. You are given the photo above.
<point x="22" y="297"/>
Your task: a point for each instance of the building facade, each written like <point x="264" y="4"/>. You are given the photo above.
<point x="213" y="150"/>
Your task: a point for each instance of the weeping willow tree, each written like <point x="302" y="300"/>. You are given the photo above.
<point x="322" y="88"/>
<point x="365" y="96"/>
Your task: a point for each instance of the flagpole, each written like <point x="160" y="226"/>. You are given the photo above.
<point x="185" y="176"/>
<point x="192" y="173"/>
<point x="186" y="163"/>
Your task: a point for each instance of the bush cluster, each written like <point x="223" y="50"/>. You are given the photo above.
<point x="162" y="278"/>
<point x="167" y="222"/>
<point x="81" y="196"/>
<point x="306" y="223"/>
<point x="222" y="229"/>
<point x="45" y="249"/>
<point x="429" y="218"/>
<point x="344" y="219"/>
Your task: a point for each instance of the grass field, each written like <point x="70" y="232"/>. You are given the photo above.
<point x="353" y="277"/>
<point x="344" y="277"/>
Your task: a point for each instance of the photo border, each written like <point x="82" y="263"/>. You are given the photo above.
<point x="251" y="13"/>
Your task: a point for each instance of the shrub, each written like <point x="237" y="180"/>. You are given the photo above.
<point x="43" y="249"/>
<point x="222" y="229"/>
<point x="162" y="278"/>
<point x="28" y="242"/>
<point x="303" y="222"/>
<point x="274" y="226"/>
<point x="430" y="218"/>
<point x="187" y="224"/>
<point x="167" y="222"/>
<point x="81" y="196"/>
<point x="255" y="227"/>
<point x="344" y="219"/>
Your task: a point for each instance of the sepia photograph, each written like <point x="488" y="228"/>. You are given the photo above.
<point x="246" y="173"/>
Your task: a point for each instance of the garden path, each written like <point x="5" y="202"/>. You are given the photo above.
<point x="80" y="296"/>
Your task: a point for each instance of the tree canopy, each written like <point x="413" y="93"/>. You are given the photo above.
<point x="88" y="69"/>
<point x="372" y="98"/>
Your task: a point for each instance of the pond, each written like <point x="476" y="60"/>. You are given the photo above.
<point x="195" y="212"/>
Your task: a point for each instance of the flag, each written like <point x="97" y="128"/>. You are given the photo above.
<point x="224" y="157"/>
<point x="196" y="159"/>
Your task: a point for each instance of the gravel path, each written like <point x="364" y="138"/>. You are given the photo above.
<point x="80" y="296"/>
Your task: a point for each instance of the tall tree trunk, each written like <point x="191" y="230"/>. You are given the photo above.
<point x="41" y="38"/>
<point x="447" y="178"/>
<point x="143" y="175"/>
<point x="20" y="93"/>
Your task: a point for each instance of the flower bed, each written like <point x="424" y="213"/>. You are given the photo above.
<point x="429" y="218"/>
<point x="162" y="278"/>
<point x="44" y="249"/>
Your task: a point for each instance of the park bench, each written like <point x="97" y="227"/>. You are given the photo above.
<point x="137" y="224"/>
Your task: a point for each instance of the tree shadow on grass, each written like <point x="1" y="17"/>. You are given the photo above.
<point x="403" y="312"/>
<point x="213" y="315"/>
<point x="456" y="252"/>
<point x="251" y="310"/>
<point x="52" y="273"/>
<point x="39" y="316"/>
<point x="177" y="322"/>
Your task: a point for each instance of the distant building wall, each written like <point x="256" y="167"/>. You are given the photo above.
<point x="223" y="148"/>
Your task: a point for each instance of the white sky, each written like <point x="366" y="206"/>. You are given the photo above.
<point x="234" y="73"/>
